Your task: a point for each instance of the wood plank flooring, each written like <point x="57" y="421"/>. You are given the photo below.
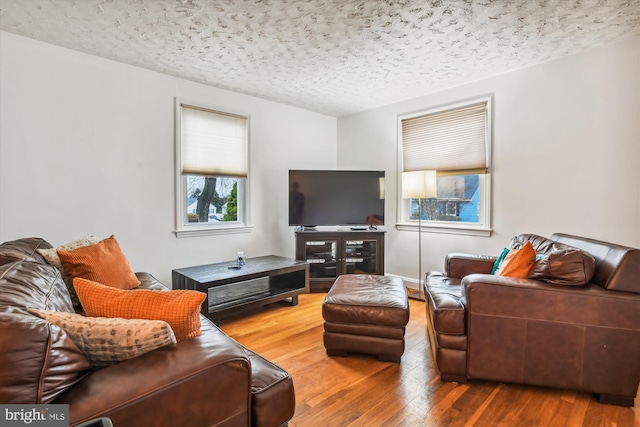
<point x="359" y="390"/>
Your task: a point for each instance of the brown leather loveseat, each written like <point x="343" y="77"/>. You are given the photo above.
<point x="209" y="380"/>
<point x="573" y="324"/>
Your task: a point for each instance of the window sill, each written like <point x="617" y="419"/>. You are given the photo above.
<point x="445" y="229"/>
<point x="209" y="231"/>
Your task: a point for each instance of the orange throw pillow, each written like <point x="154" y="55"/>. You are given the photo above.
<point x="180" y="308"/>
<point x="519" y="263"/>
<point x="103" y="262"/>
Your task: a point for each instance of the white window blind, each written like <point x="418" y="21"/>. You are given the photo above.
<point x="213" y="143"/>
<point x="453" y="141"/>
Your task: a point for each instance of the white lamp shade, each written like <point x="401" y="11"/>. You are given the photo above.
<point x="419" y="185"/>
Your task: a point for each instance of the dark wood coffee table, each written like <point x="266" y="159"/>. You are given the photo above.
<point x="263" y="280"/>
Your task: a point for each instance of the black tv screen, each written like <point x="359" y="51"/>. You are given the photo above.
<point x="336" y="197"/>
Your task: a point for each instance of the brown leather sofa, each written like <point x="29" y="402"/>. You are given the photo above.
<point x="210" y="380"/>
<point x="548" y="330"/>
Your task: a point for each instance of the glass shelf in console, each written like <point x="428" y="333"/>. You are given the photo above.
<point x="322" y="257"/>
<point x="361" y="256"/>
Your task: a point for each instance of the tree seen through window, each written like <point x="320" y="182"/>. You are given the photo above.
<point x="212" y="199"/>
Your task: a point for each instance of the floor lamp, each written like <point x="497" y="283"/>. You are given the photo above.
<point x="419" y="185"/>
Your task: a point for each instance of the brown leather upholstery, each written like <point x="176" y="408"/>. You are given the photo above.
<point x="446" y="322"/>
<point x="366" y="314"/>
<point x="29" y="284"/>
<point x="445" y="295"/>
<point x="530" y="331"/>
<point x="458" y="265"/>
<point x="38" y="361"/>
<point x="46" y="358"/>
<point x="210" y="380"/>
<point x="272" y="393"/>
<point x="617" y="267"/>
<point x="560" y="263"/>
<point x="23" y="249"/>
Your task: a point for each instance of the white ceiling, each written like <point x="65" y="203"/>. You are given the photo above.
<point x="330" y="56"/>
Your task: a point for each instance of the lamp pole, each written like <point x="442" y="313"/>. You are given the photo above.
<point x="419" y="185"/>
<point x="420" y="250"/>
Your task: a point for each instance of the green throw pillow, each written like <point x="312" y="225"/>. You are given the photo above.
<point x="496" y="264"/>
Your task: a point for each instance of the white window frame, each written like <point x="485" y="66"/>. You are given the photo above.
<point x="183" y="227"/>
<point x="482" y="228"/>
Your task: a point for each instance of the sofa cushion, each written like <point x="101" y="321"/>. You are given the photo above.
<point x="105" y="341"/>
<point x="51" y="255"/>
<point x="617" y="266"/>
<point x="365" y="299"/>
<point x="27" y="284"/>
<point x="38" y="360"/>
<point x="103" y="262"/>
<point x="443" y="304"/>
<point x="22" y="249"/>
<point x="560" y="264"/>
<point x="179" y="308"/>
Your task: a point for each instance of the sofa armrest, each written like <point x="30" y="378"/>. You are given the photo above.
<point x="199" y="381"/>
<point x="458" y="265"/>
<point x="147" y="281"/>
<point x="527" y="331"/>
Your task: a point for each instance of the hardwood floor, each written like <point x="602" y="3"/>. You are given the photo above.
<point x="359" y="390"/>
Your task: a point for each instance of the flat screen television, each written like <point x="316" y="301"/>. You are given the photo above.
<point x="336" y="197"/>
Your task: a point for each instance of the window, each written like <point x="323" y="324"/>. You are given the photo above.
<point x="211" y="170"/>
<point x="455" y="142"/>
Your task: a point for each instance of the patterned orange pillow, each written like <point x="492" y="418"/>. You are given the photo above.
<point x="103" y="262"/>
<point x="180" y="308"/>
<point x="519" y="263"/>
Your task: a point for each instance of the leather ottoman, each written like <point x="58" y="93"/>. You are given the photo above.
<point x="366" y="314"/>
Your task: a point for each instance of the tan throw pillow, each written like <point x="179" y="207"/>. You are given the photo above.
<point x="105" y="341"/>
<point x="103" y="262"/>
<point x="51" y="255"/>
<point x="179" y="308"/>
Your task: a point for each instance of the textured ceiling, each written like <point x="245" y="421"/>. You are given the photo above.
<point x="331" y="56"/>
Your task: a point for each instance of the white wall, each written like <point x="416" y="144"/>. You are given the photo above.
<point x="87" y="147"/>
<point x="566" y="154"/>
